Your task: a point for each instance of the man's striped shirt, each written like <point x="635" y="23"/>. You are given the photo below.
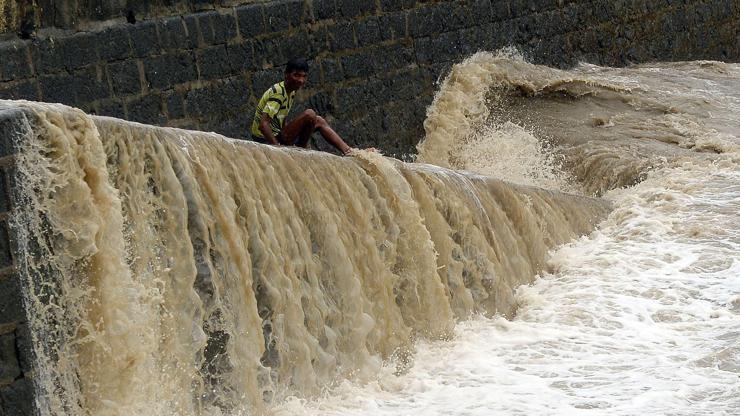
<point x="276" y="103"/>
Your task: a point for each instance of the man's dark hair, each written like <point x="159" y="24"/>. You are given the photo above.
<point x="296" y="64"/>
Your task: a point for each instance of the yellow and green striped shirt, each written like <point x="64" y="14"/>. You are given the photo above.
<point x="276" y="103"/>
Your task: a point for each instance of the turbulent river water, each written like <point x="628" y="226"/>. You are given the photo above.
<point x="640" y="317"/>
<point x="567" y="243"/>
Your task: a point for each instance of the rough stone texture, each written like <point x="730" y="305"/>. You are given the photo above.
<point x="16" y="362"/>
<point x="205" y="64"/>
<point x="17" y="399"/>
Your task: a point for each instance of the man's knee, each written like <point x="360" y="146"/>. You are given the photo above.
<point x="320" y="122"/>
<point x="310" y="115"/>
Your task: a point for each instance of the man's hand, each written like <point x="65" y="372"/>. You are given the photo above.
<point x="265" y="121"/>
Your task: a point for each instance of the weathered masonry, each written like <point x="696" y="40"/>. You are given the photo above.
<point x="201" y="65"/>
<point x="16" y="385"/>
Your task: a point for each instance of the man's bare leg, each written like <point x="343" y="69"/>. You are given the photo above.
<point x="298" y="131"/>
<point x="331" y="136"/>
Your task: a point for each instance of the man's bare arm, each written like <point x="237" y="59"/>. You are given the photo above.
<point x="266" y="130"/>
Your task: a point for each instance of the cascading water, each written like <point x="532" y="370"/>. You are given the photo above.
<point x="640" y="317"/>
<point x="175" y="272"/>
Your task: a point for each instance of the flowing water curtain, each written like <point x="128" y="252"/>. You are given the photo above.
<point x="200" y="274"/>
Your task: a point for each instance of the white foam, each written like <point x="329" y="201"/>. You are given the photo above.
<point x="641" y="317"/>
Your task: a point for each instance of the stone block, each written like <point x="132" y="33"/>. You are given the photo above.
<point x="396" y="5"/>
<point x="147" y="109"/>
<point x="144" y="39"/>
<point x="481" y="12"/>
<point x="88" y="85"/>
<point x="368" y="31"/>
<point x="251" y="20"/>
<point x="17" y="399"/>
<point x="298" y="44"/>
<point x="111" y="108"/>
<point x="319" y="38"/>
<point x="423" y="50"/>
<point x="48" y="56"/>
<point x="446" y="47"/>
<point x="518" y="8"/>
<point x="392" y="57"/>
<point x="358" y="65"/>
<point x="477" y="38"/>
<point x="125" y="78"/>
<point x="585" y="13"/>
<point x="232" y="127"/>
<point x="78" y="50"/>
<point x="341" y="37"/>
<point x="24" y="347"/>
<point x="352" y="8"/>
<point x="331" y="71"/>
<point x="500" y="10"/>
<point x="545" y="24"/>
<point x="358" y="98"/>
<point x="20" y="90"/>
<point x="166" y="71"/>
<point x="15" y="63"/>
<point x="281" y="15"/>
<point x="213" y="62"/>
<point x="10" y="368"/>
<point x="503" y="33"/>
<point x="13" y="123"/>
<point x="241" y="57"/>
<point x="217" y="28"/>
<point x="437" y="18"/>
<point x="457" y="17"/>
<point x="406" y="85"/>
<point x="393" y="26"/>
<point x="176" y="33"/>
<point x="5" y="197"/>
<point x="175" y="105"/>
<point x="262" y="80"/>
<point x="114" y="43"/>
<point x="569" y="18"/>
<point x="543" y="5"/>
<point x="217" y="100"/>
<point x="57" y="88"/>
<point x="11" y="303"/>
<point x="424" y="21"/>
<point x="269" y="52"/>
<point x="320" y="102"/>
<point x="191" y="27"/>
<point x="324" y="9"/>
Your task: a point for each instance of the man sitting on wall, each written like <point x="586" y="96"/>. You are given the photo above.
<point x="269" y="125"/>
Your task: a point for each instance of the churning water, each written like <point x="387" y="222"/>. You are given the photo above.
<point x="640" y="317"/>
<point x="174" y="272"/>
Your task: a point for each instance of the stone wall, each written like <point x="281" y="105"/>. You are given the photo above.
<point x="375" y="63"/>
<point x="16" y="373"/>
<point x="24" y="18"/>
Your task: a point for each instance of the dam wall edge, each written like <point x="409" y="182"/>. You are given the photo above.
<point x="16" y="353"/>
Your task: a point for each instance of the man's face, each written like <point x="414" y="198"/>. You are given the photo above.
<point x="295" y="80"/>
